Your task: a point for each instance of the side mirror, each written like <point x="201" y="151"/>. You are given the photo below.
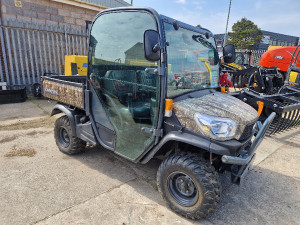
<point x="229" y="53"/>
<point x="152" y="45"/>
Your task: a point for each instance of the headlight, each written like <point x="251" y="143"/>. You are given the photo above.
<point x="219" y="127"/>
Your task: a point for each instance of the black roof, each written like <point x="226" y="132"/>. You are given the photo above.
<point x="219" y="36"/>
<point x="281" y="37"/>
<point x="273" y="36"/>
<point x="187" y="26"/>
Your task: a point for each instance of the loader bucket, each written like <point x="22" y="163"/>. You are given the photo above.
<point x="288" y="114"/>
<point x="285" y="104"/>
<point x="284" y="121"/>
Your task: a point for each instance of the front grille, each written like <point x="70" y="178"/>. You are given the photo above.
<point x="247" y="132"/>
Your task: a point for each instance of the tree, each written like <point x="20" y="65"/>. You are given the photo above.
<point x="199" y="26"/>
<point x="245" y="35"/>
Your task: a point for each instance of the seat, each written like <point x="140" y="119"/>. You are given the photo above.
<point x="119" y="83"/>
<point x="140" y="107"/>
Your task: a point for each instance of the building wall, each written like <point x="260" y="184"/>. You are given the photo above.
<point x="37" y="34"/>
<point x="270" y="38"/>
<point x="48" y="12"/>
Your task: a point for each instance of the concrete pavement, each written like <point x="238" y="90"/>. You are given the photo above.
<point x="97" y="187"/>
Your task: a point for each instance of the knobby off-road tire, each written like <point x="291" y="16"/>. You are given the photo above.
<point x="189" y="185"/>
<point x="67" y="143"/>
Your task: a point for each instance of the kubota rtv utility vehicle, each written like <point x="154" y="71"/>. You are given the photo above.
<point x="125" y="104"/>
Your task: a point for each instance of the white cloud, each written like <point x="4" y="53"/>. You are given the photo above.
<point x="214" y="22"/>
<point x="199" y="2"/>
<point x="181" y="1"/>
<point x="213" y="14"/>
<point x="198" y="5"/>
<point x="258" y="5"/>
<point x="278" y="23"/>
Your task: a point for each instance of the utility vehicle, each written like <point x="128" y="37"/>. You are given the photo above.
<point x="125" y="104"/>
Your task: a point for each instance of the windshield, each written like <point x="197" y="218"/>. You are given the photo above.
<point x="193" y="61"/>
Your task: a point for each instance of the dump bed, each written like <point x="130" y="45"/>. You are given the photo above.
<point x="65" y="89"/>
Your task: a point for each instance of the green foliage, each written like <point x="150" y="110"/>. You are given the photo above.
<point x="199" y="26"/>
<point x="245" y="35"/>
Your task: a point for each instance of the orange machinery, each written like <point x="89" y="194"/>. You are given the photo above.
<point x="280" y="57"/>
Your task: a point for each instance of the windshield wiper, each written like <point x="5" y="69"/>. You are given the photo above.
<point x="199" y="38"/>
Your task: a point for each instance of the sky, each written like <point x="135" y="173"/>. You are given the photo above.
<point x="280" y="16"/>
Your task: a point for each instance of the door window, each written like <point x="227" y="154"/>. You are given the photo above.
<point x="117" y="74"/>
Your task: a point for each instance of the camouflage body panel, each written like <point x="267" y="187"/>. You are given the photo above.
<point x="64" y="92"/>
<point x="217" y="105"/>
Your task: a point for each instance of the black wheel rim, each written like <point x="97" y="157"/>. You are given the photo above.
<point x="64" y="137"/>
<point x="182" y="188"/>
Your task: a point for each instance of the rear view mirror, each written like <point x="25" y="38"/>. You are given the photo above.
<point x="229" y="53"/>
<point x="152" y="45"/>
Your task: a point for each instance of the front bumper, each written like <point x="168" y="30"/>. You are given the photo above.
<point x="242" y="163"/>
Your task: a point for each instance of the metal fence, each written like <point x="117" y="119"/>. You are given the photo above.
<point x="30" y="50"/>
<point x="255" y="56"/>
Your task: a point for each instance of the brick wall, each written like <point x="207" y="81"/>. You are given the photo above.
<point x="48" y="12"/>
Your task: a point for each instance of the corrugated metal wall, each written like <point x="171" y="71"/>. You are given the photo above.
<point x="30" y="50"/>
<point x="108" y="3"/>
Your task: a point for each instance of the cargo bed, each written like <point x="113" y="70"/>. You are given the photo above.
<point x="65" y="89"/>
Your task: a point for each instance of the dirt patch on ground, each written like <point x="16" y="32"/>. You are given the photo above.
<point x="34" y="133"/>
<point x="21" y="152"/>
<point x="8" y="139"/>
<point x="42" y="122"/>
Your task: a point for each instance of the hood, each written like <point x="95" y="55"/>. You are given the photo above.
<point x="217" y="105"/>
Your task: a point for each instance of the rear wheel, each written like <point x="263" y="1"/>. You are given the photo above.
<point x="189" y="185"/>
<point x="67" y="143"/>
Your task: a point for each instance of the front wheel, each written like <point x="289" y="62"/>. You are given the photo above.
<point x="65" y="141"/>
<point x="189" y="185"/>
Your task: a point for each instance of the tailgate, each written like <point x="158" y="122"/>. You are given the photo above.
<point x="67" y="92"/>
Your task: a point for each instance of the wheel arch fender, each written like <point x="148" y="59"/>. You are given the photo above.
<point x="181" y="137"/>
<point x="59" y="108"/>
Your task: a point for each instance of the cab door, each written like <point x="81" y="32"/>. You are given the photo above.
<point x="117" y="72"/>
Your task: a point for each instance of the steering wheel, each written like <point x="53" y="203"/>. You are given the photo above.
<point x="186" y="81"/>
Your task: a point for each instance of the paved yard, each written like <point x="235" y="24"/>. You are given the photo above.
<point x="40" y="185"/>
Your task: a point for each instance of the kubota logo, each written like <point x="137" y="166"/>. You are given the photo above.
<point x="52" y="92"/>
<point x="279" y="57"/>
